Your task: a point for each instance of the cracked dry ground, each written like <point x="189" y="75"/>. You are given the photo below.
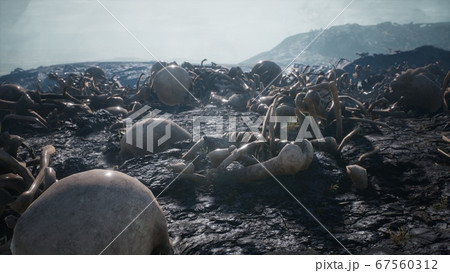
<point x="404" y="211"/>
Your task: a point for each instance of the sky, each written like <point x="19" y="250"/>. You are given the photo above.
<point x="46" y="32"/>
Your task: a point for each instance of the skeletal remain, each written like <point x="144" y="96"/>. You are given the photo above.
<point x="291" y="159"/>
<point x="26" y="118"/>
<point x="347" y="137"/>
<point x="195" y="150"/>
<point x="97" y="74"/>
<point x="170" y="84"/>
<point x="266" y="121"/>
<point x="219" y="155"/>
<point x="443" y="153"/>
<point x="381" y="101"/>
<point x="143" y="94"/>
<point x="370" y="122"/>
<point x="389" y="113"/>
<point x="182" y="167"/>
<point x="446" y="139"/>
<point x="134" y="143"/>
<point x="11" y="143"/>
<point x="239" y="101"/>
<point x="262" y="109"/>
<point x="15" y="166"/>
<point x="234" y="153"/>
<point x="310" y="103"/>
<point x="195" y="177"/>
<point x="358" y="175"/>
<point x="102" y="201"/>
<point x="13" y="182"/>
<point x="25" y="199"/>
<point x="14" y="98"/>
<point x="326" y="144"/>
<point x="357" y="102"/>
<point x="208" y="143"/>
<point x="323" y="86"/>
<point x="369" y="154"/>
<point x="268" y="71"/>
<point x="337" y="108"/>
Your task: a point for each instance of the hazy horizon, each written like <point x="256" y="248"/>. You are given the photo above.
<point x="46" y="32"/>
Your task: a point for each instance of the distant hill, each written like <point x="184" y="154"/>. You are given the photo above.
<point x="126" y="72"/>
<point x="346" y="40"/>
<point x="413" y="58"/>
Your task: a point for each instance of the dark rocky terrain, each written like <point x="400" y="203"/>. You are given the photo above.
<point x="417" y="57"/>
<point x="404" y="211"/>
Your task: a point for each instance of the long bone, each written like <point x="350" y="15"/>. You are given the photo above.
<point x="313" y="104"/>
<point x="327" y="144"/>
<point x="330" y="87"/>
<point x="272" y="125"/>
<point x="25" y="199"/>
<point x="12" y="182"/>
<point x="291" y="159"/>
<point x="11" y="143"/>
<point x="266" y="120"/>
<point x="8" y="105"/>
<point x="39" y="117"/>
<point x="357" y="102"/>
<point x="337" y="108"/>
<point x="267" y="123"/>
<point x="352" y="119"/>
<point x="310" y="103"/>
<point x="23" y="102"/>
<point x="219" y="155"/>
<point x="347" y="137"/>
<point x="234" y="154"/>
<point x="25" y="118"/>
<point x="15" y="166"/>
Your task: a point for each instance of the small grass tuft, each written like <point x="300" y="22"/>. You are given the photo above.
<point x="442" y="204"/>
<point x="400" y="236"/>
<point x="334" y="188"/>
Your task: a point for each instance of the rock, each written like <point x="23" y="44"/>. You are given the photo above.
<point x="418" y="89"/>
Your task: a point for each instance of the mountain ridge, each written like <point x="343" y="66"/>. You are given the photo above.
<point x="345" y="41"/>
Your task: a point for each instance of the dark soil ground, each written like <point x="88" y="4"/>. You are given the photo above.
<point x="404" y="210"/>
